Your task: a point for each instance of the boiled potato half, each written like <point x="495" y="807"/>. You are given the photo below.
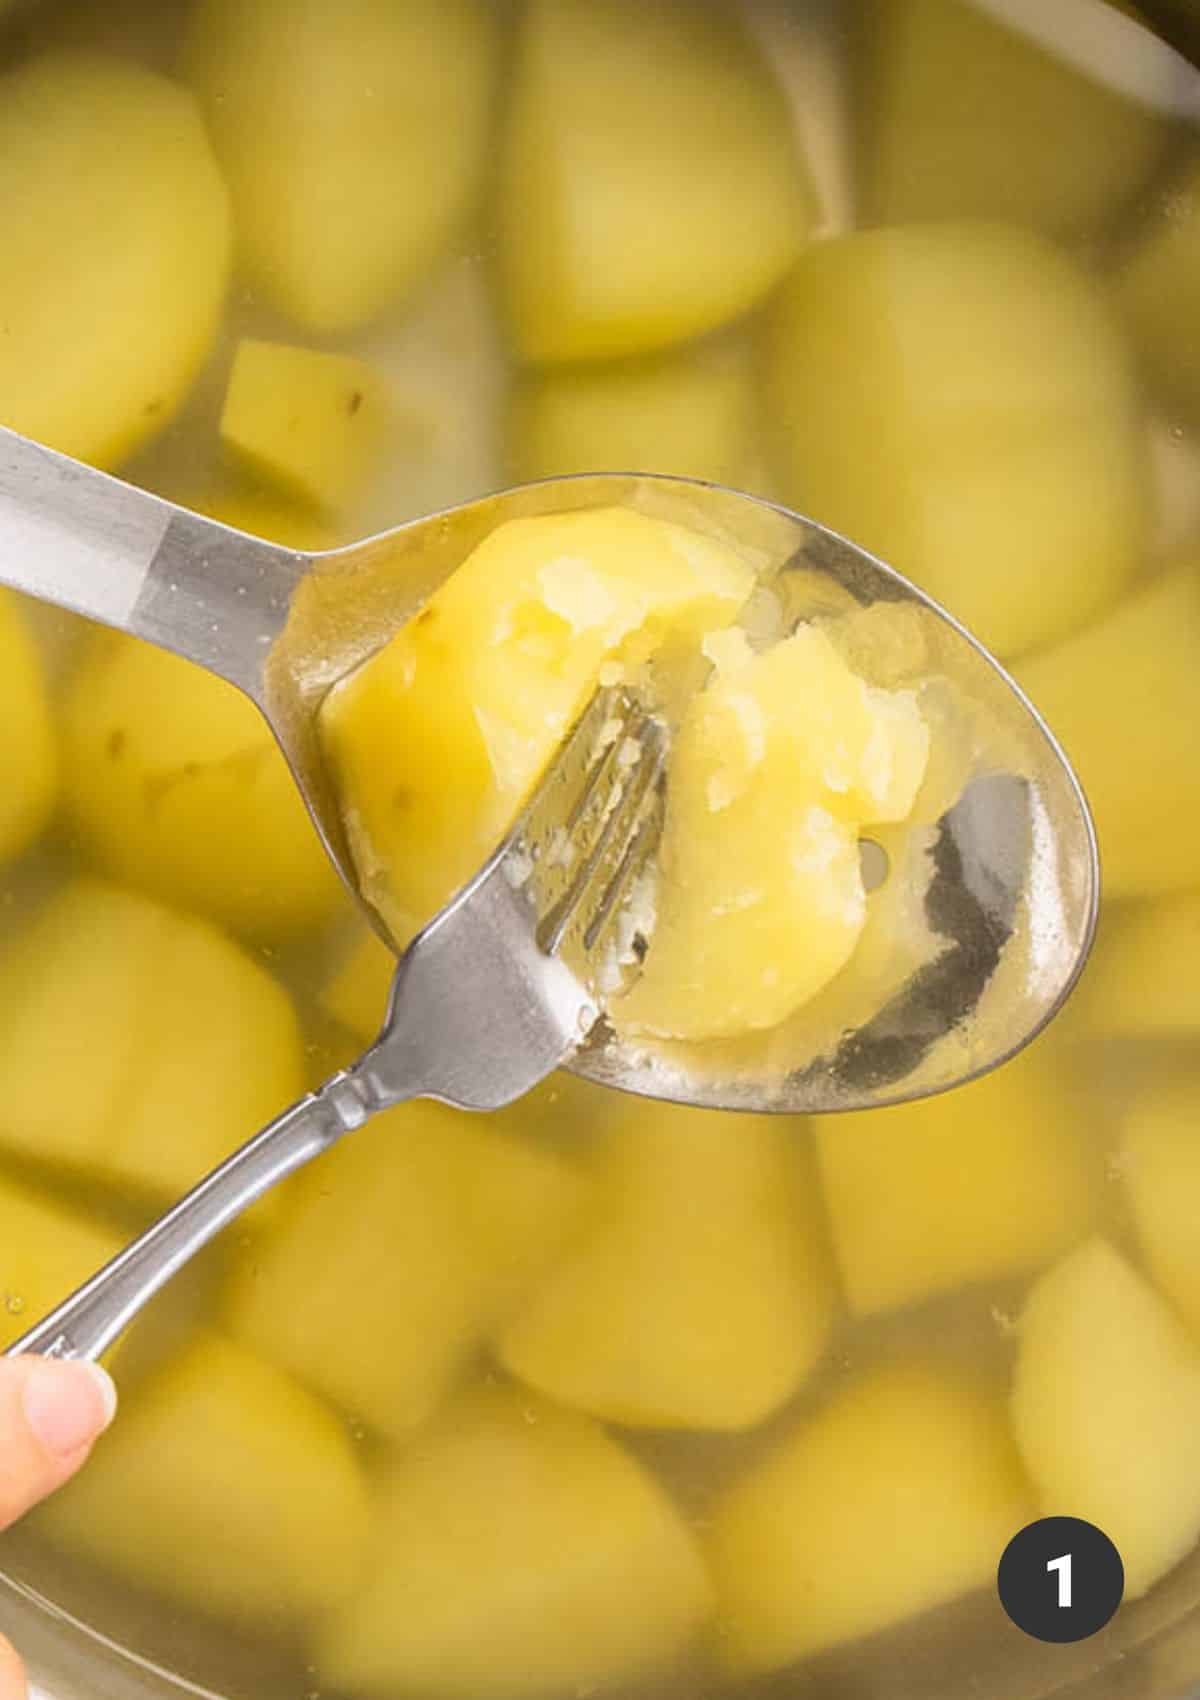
<point x="1157" y="289"/>
<point x="47" y="1250"/>
<point x="650" y="188"/>
<point x="518" y="1552"/>
<point x="138" y="1046"/>
<point x="1143" y="976"/>
<point x="898" y="1494"/>
<point x="116" y="252"/>
<point x="31" y="757"/>
<point x="1106" y="1409"/>
<point x="175" y="784"/>
<point x="354" y="137"/>
<point x="956" y="398"/>
<point x="1160" y="1171"/>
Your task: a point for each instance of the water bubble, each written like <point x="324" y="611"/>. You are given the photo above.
<point x="14" y="1304"/>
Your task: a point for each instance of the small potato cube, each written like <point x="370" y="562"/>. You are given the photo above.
<point x="697" y="1293"/>
<point x="1143" y="977"/>
<point x="956" y="398"/>
<point x="31" y="761"/>
<point x="46" y="1251"/>
<point x="1160" y="1170"/>
<point x="167" y="1047"/>
<point x="1124" y="699"/>
<point x="692" y="415"/>
<point x="312" y="423"/>
<point x="1157" y="290"/>
<point x="176" y="784"/>
<point x="224" y="1487"/>
<point x="518" y="1552"/>
<point x="428" y="1224"/>
<point x="1106" y="1409"/>
<point x="979" y="1184"/>
<point x="435" y="742"/>
<point x="760" y="901"/>
<point x="969" y="112"/>
<point x="899" y="1494"/>
<point x="650" y="188"/>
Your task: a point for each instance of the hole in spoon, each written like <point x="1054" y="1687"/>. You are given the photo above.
<point x="874" y="862"/>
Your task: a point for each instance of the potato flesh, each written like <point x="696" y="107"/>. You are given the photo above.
<point x="435" y="742"/>
<point x="1133" y="747"/>
<point x="113" y="278"/>
<point x="727" y="201"/>
<point x="982" y="369"/>
<point x="46" y="1251"/>
<point x="193" y="1494"/>
<point x="31" y="757"/>
<point x="318" y="114"/>
<point x="310" y="422"/>
<point x="177" y="786"/>
<point x="760" y="901"/>
<point x="1106" y="1409"/>
<point x="1157" y="289"/>
<point x="517" y="1552"/>
<point x="983" y="1183"/>
<point x="899" y="1494"/>
<point x="696" y="1293"/>
<point x="1160" y="1171"/>
<point x="167" y="1047"/>
<point x="1143" y="977"/>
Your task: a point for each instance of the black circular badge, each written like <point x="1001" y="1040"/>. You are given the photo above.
<point x="1060" y="1579"/>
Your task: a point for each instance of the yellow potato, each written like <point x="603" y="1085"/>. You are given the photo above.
<point x="165" y="1045"/>
<point x="312" y="423"/>
<point x="357" y="993"/>
<point x="116" y="252"/>
<point x="353" y="134"/>
<point x="395" y="1257"/>
<point x="518" y="1552"/>
<point x="967" y="114"/>
<point x="223" y="1487"/>
<point x="1143" y="977"/>
<point x="697" y="1292"/>
<point x="692" y="415"/>
<point x="977" y="1185"/>
<point x="955" y="398"/>
<point x="1157" y="289"/>
<point x="175" y="784"/>
<point x="46" y="1251"/>
<point x="436" y="741"/>
<point x="1160" y="1169"/>
<point x="760" y="900"/>
<point x="900" y="1493"/>
<point x="649" y="187"/>
<point x="1106" y="1409"/>
<point x="1124" y="698"/>
<point x="31" y="761"/>
<point x="273" y="518"/>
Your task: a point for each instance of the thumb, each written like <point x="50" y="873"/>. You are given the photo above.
<point x="51" y="1411"/>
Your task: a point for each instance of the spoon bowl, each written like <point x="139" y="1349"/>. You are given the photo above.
<point x="1000" y="888"/>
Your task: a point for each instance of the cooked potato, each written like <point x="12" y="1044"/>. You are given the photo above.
<point x="312" y="423"/>
<point x="967" y="113"/>
<point x="692" y="415"/>
<point x="176" y="785"/>
<point x="116" y="252"/>
<point x="354" y="137"/>
<point x="650" y="188"/>
<point x="760" y="901"/>
<point x="31" y="760"/>
<point x="1106" y="1409"/>
<point x="696" y="1293"/>
<point x="384" y="1331"/>
<point x="1160" y="1169"/>
<point x="167" y="1047"/>
<point x="224" y="1487"/>
<point x="1143" y="977"/>
<point x="977" y="1185"/>
<point x="47" y="1250"/>
<point x="955" y="398"/>
<point x="1124" y="698"/>
<point x="356" y="994"/>
<point x="273" y="518"/>
<point x="1157" y="289"/>
<point x="436" y="741"/>
<point x="900" y="1493"/>
<point x="518" y="1552"/>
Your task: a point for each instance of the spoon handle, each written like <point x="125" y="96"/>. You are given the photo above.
<point x="88" y="1322"/>
<point x="85" y="541"/>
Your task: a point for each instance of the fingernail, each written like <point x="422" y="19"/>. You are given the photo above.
<point x="68" y="1403"/>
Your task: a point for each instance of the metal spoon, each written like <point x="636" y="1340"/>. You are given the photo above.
<point x="1007" y="879"/>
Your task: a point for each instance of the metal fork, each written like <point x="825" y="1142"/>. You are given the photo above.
<point x="487" y="1001"/>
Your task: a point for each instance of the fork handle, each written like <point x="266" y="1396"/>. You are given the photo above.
<point x="87" y="1323"/>
<point x="81" y="540"/>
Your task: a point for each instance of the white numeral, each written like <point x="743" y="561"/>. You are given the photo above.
<point x="1063" y="1566"/>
